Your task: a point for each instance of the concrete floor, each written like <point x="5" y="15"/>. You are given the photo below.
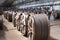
<point x="10" y="33"/>
<point x="55" y="29"/>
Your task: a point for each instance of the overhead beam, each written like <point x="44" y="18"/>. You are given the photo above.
<point x="43" y="4"/>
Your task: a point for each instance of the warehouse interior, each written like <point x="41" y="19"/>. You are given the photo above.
<point x="29" y="19"/>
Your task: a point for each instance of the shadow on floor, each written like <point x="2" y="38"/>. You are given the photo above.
<point x="2" y="33"/>
<point x="5" y="28"/>
<point x="51" y="38"/>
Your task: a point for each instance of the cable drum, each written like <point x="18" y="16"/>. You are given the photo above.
<point x="23" y="23"/>
<point x="38" y="27"/>
<point x="13" y="18"/>
<point x="1" y="22"/>
<point x="17" y="20"/>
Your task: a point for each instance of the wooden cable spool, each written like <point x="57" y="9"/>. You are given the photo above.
<point x="17" y="20"/>
<point x="38" y="27"/>
<point x="13" y="19"/>
<point x="23" y="24"/>
<point x="1" y="22"/>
